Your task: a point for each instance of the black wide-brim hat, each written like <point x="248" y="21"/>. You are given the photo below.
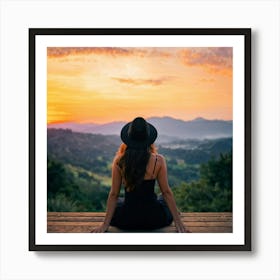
<point x="138" y="134"/>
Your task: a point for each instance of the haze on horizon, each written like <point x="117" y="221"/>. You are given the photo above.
<point x="101" y="85"/>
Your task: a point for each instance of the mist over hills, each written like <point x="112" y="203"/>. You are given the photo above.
<point x="169" y="129"/>
<point x="94" y="152"/>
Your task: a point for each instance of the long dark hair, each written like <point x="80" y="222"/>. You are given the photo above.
<point x="133" y="164"/>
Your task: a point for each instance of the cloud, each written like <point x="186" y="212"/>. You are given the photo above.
<point x="57" y="52"/>
<point x="137" y="82"/>
<point x="213" y="59"/>
<point x="66" y="51"/>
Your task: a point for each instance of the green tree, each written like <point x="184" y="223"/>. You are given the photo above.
<point x="218" y="171"/>
<point x="68" y="191"/>
<point x="212" y="192"/>
<point x="56" y="176"/>
<point x="62" y="203"/>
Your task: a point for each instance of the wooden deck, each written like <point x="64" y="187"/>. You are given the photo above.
<point x="82" y="222"/>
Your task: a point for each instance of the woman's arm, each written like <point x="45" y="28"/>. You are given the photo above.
<point x="168" y="196"/>
<point x="112" y="198"/>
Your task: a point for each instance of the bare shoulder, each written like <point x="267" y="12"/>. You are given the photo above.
<point x="116" y="161"/>
<point x="160" y="158"/>
<point x="161" y="168"/>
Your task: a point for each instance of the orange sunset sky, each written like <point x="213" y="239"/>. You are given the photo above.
<point x="99" y="85"/>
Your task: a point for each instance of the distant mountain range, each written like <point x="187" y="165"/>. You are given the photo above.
<point x="169" y="129"/>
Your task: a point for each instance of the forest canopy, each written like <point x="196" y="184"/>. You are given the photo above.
<point x="79" y="170"/>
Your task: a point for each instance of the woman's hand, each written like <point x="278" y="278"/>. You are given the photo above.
<point x="100" y="229"/>
<point x="181" y="228"/>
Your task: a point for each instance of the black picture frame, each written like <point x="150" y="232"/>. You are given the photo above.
<point x="34" y="33"/>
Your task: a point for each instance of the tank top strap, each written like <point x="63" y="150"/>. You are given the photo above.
<point x="155" y="165"/>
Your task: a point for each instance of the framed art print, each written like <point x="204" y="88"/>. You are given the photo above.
<point x="193" y="85"/>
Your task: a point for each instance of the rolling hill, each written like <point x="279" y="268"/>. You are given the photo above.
<point x="169" y="129"/>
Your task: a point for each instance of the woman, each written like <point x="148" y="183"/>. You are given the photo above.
<point x="138" y="166"/>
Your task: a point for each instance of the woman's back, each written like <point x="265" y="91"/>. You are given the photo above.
<point x="142" y="195"/>
<point x="137" y="166"/>
<point x="152" y="167"/>
<point x="145" y="191"/>
<point x="141" y="207"/>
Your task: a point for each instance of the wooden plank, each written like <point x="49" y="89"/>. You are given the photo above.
<point x="102" y="214"/>
<point x="206" y="213"/>
<point x="78" y="222"/>
<point x="76" y="214"/>
<point x="100" y="219"/>
<point x="88" y="229"/>
<point x="76" y="219"/>
<point x="173" y="230"/>
<point x="205" y="224"/>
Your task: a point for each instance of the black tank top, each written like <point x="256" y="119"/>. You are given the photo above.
<point x="144" y="192"/>
<point x="141" y="208"/>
